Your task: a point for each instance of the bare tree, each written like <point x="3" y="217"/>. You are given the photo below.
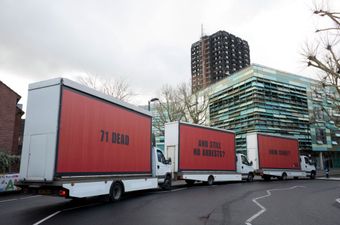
<point x="118" y="88"/>
<point x="195" y="105"/>
<point x="90" y="80"/>
<point x="169" y="108"/>
<point x="179" y="104"/>
<point x="325" y="57"/>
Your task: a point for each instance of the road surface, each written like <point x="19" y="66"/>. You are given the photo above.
<point x="290" y="202"/>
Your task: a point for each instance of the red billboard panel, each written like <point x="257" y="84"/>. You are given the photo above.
<point x="206" y="149"/>
<point x="278" y="152"/>
<point x="100" y="137"/>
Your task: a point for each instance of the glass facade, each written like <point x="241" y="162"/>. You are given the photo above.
<point x="261" y="99"/>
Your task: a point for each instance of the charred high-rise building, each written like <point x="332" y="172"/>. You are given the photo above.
<point x="215" y="57"/>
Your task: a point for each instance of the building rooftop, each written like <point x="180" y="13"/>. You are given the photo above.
<point x="5" y="85"/>
<point x="262" y="71"/>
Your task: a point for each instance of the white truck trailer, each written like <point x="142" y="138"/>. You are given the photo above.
<point x="200" y="153"/>
<point x="79" y="143"/>
<point x="277" y="156"/>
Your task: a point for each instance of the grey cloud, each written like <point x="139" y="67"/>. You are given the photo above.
<point x="147" y="42"/>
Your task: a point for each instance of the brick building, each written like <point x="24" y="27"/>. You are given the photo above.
<point x="10" y="120"/>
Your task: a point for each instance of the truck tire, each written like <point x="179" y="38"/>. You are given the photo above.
<point x="312" y="175"/>
<point x="283" y="177"/>
<point x="116" y="191"/>
<point x="167" y="183"/>
<point x="190" y="182"/>
<point x="250" y="177"/>
<point x="210" y="180"/>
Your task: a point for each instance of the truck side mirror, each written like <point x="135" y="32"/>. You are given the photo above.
<point x="251" y="163"/>
<point x="169" y="161"/>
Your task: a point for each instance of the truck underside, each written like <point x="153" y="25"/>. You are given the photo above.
<point x="82" y="188"/>
<point x="208" y="176"/>
<point x="284" y="174"/>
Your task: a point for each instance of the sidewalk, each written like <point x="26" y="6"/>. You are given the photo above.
<point x="330" y="178"/>
<point x="333" y="173"/>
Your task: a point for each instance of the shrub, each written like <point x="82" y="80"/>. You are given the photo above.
<point x="8" y="162"/>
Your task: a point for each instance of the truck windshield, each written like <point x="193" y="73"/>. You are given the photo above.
<point x="307" y="161"/>
<point x="160" y="157"/>
<point x="244" y="160"/>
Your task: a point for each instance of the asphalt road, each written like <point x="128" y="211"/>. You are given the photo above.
<point x="290" y="202"/>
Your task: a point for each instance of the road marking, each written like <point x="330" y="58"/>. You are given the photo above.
<point x="9" y="200"/>
<point x="46" y="218"/>
<point x="63" y="210"/>
<point x="263" y="209"/>
<point x="338" y="200"/>
<point x="15" y="199"/>
<point x="179" y="189"/>
<point x="174" y="190"/>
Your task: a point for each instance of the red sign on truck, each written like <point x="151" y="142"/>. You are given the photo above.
<point x="99" y="137"/>
<point x="207" y="149"/>
<point x="278" y="152"/>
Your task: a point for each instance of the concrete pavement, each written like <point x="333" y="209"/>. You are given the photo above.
<point x="279" y="202"/>
<point x="332" y="173"/>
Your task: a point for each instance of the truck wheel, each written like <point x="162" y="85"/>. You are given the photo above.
<point x="210" y="180"/>
<point x="312" y="175"/>
<point x="190" y="182"/>
<point x="167" y="183"/>
<point x="250" y="177"/>
<point x="116" y="191"/>
<point x="283" y="177"/>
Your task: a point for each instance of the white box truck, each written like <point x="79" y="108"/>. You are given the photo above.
<point x="277" y="156"/>
<point x="200" y="153"/>
<point x="79" y="143"/>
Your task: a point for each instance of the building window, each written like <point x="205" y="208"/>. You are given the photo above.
<point x="321" y="136"/>
<point x="335" y="137"/>
<point x="318" y="113"/>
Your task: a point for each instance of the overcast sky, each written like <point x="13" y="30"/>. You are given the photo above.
<point x="146" y="42"/>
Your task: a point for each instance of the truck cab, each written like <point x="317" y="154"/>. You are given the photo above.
<point x="161" y="168"/>
<point x="244" y="167"/>
<point x="307" y="166"/>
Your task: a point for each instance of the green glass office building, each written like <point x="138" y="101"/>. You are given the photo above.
<point x="262" y="99"/>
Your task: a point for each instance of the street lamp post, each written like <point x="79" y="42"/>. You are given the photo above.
<point x="153" y="135"/>
<point x="152" y="100"/>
